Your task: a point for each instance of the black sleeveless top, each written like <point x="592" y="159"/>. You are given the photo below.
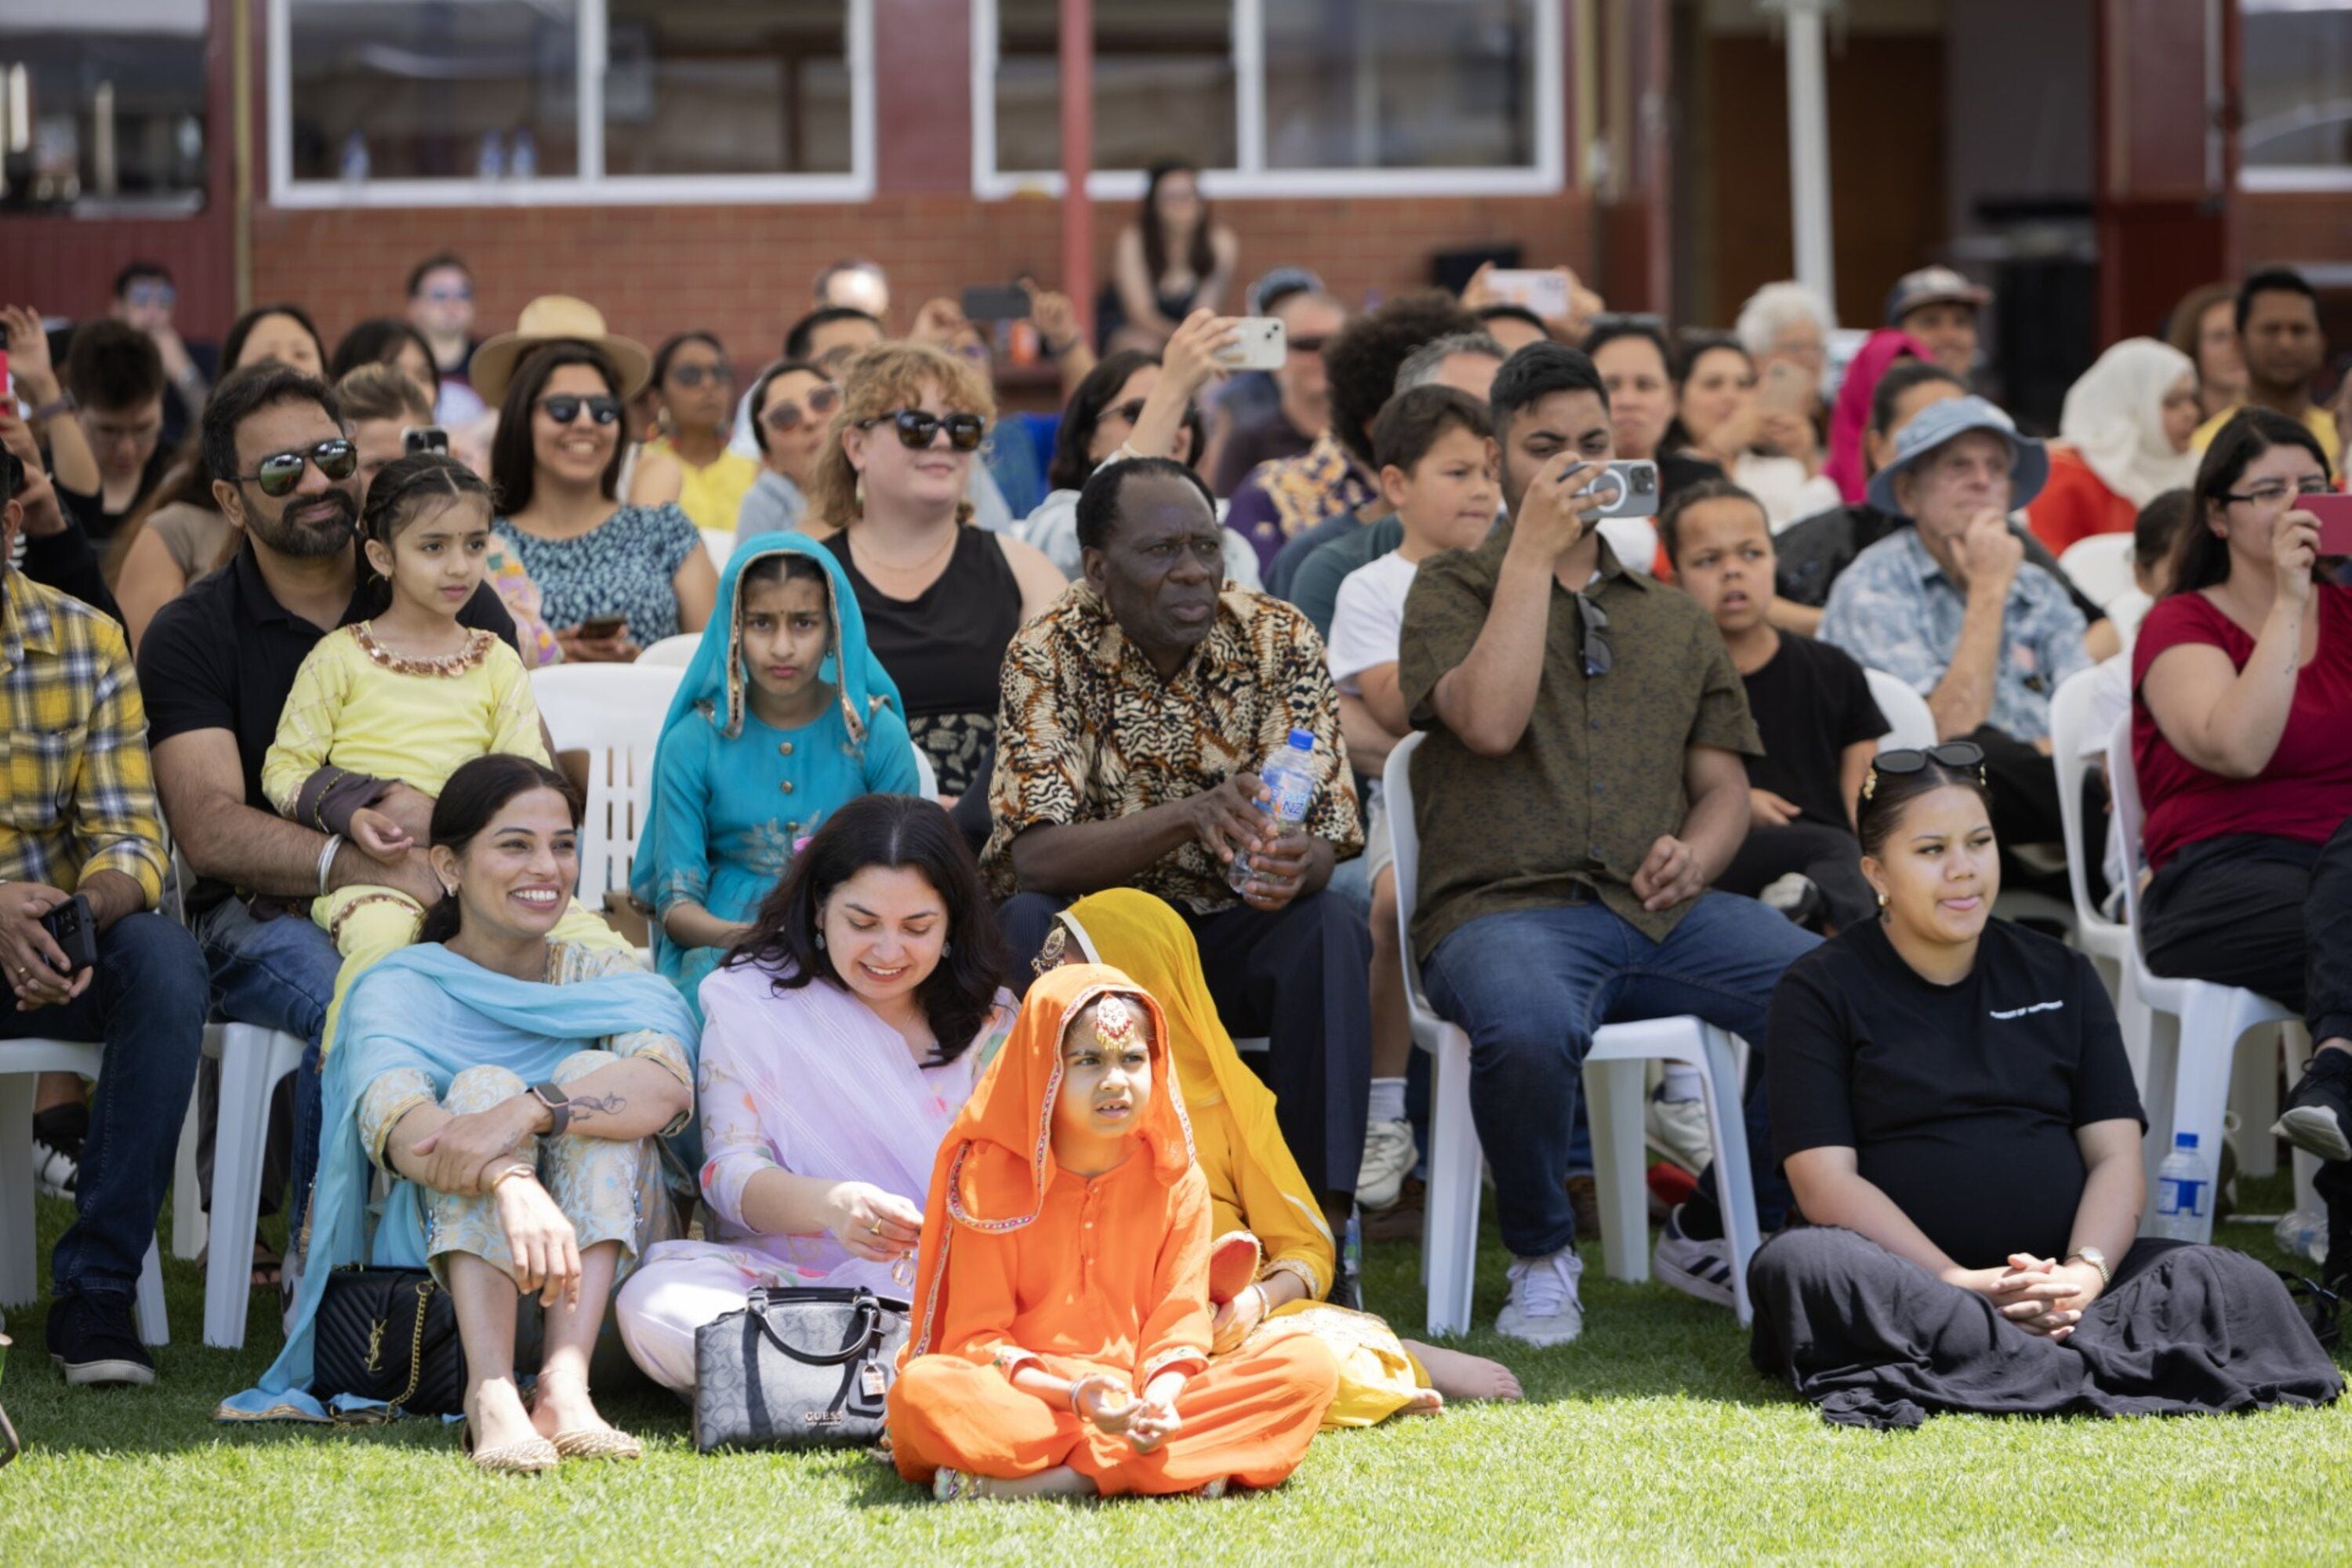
<point x="945" y="648"/>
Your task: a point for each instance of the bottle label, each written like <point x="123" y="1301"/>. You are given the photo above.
<point x="2179" y="1196"/>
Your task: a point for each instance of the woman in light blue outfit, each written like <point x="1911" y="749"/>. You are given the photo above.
<point x="518" y="1091"/>
<point x="784" y="717"/>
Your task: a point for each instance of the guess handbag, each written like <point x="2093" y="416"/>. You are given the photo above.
<point x="389" y="1335"/>
<point x="797" y="1368"/>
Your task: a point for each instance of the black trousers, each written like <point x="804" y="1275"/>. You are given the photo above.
<point x="1299" y="977"/>
<point x="1829" y="856"/>
<point x="2274" y="915"/>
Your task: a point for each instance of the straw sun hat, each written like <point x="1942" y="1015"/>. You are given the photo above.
<point x="549" y="318"/>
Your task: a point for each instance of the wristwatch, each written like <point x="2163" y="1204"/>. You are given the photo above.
<point x="2096" y="1259"/>
<point x="559" y="1106"/>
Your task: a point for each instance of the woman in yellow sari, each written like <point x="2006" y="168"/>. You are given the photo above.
<point x="1274" y="1257"/>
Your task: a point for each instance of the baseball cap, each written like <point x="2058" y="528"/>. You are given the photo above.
<point x="1932" y="286"/>
<point x="1941" y="422"/>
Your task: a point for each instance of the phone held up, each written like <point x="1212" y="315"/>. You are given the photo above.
<point x="1628" y="487"/>
<point x="424" y="439"/>
<point x="1259" y="343"/>
<point x="996" y="302"/>
<point x="2335" y="515"/>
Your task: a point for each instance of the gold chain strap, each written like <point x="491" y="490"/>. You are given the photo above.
<point x="416" y="1346"/>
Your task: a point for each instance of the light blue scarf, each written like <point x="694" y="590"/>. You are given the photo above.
<point x="424" y="1006"/>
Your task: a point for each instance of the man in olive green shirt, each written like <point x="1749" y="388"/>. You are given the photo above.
<point x="1582" y="784"/>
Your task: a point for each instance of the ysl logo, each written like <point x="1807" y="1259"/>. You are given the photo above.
<point x="376" y="1346"/>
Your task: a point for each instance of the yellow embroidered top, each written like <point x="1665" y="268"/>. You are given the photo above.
<point x="713" y="494"/>
<point x="357" y="707"/>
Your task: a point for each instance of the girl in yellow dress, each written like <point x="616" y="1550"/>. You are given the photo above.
<point x="404" y="698"/>
<point x="1272" y="1261"/>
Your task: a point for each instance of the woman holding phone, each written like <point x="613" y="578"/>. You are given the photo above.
<point x="1755" y="430"/>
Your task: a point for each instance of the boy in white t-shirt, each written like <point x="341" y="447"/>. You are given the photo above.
<point x="1439" y="469"/>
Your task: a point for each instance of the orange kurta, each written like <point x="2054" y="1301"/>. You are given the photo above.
<point x="1024" y="1263"/>
<point x="2075" y="504"/>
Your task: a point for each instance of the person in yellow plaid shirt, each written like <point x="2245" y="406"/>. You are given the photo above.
<point x="82" y="839"/>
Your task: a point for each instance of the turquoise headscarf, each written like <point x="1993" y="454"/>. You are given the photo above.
<point x="712" y="691"/>
<point x="426" y="1006"/>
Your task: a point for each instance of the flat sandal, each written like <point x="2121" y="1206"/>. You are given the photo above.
<point x="593" y="1443"/>
<point x="532" y="1457"/>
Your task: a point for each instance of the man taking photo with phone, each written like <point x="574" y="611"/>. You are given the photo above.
<point x="81" y="841"/>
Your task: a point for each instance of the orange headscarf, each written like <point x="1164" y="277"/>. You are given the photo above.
<point x="996" y="1162"/>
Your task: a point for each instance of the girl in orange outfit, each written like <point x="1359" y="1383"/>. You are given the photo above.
<point x="1060" y="1341"/>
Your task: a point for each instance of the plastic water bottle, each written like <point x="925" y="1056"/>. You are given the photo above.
<point x="1290" y="774"/>
<point x="1349" y="1289"/>
<point x="523" y="163"/>
<point x="490" y="163"/>
<point x="353" y="164"/>
<point x="2184" y="1191"/>
<point x="2303" y="1234"/>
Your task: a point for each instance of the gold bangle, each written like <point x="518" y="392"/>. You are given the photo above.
<point x="517" y="1169"/>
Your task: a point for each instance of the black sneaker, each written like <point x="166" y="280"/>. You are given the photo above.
<point x="59" y="1133"/>
<point x="2319" y="1110"/>
<point x="92" y="1340"/>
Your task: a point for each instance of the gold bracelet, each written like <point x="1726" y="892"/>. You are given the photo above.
<point x="517" y="1169"/>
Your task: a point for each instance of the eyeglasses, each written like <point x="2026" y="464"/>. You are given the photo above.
<point x="564" y="409"/>
<point x="279" y="473"/>
<point x="722" y="373"/>
<point x="161" y="295"/>
<point x="1130" y="411"/>
<point x="2271" y="495"/>
<point x="787" y="416"/>
<point x="916" y="428"/>
<point x="450" y="295"/>
<point x="1960" y="756"/>
<point x="1598" y="656"/>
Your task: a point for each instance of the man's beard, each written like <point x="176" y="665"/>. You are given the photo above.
<point x="310" y="529"/>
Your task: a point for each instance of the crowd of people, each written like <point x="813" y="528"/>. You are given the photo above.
<point x="981" y="948"/>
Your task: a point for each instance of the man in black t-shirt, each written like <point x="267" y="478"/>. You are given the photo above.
<point x="216" y="667"/>
<point x="1811" y="704"/>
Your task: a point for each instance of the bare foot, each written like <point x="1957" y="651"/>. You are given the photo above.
<point x="495" y="1410"/>
<point x="1458" y="1375"/>
<point x="1059" y="1481"/>
<point x="562" y="1405"/>
<point x="1425" y="1401"/>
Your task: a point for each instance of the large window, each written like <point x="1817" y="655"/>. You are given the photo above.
<point x="2297" y="83"/>
<point x="103" y="106"/>
<point x="402" y="102"/>
<point x="1281" y="96"/>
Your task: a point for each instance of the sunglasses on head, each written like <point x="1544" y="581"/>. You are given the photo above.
<point x="696" y="374"/>
<point x="786" y="416"/>
<point x="278" y="474"/>
<point x="564" y="409"/>
<point x="1959" y="756"/>
<point x="916" y="428"/>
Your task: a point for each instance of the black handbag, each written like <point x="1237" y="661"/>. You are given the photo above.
<point x="797" y="1368"/>
<point x="389" y="1335"/>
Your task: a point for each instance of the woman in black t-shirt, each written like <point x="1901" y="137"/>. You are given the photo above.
<point x="1950" y="1097"/>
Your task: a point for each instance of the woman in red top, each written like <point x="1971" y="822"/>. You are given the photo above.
<point x="2241" y="737"/>
<point x="2123" y="440"/>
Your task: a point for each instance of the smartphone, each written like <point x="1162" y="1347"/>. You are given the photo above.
<point x="7" y="383"/>
<point x="1786" y="389"/>
<point x="1544" y="292"/>
<point x="1260" y="345"/>
<point x="602" y="628"/>
<point x="75" y="930"/>
<point x="1007" y="302"/>
<point x="2335" y="515"/>
<point x="424" y="439"/>
<point x="1630" y="486"/>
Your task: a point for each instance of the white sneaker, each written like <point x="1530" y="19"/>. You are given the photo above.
<point x="1543" y="1308"/>
<point x="1700" y="1268"/>
<point x="1389" y="1158"/>
<point x="1677" y="1129"/>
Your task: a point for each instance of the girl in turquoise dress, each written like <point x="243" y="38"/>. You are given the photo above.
<point x="784" y="717"/>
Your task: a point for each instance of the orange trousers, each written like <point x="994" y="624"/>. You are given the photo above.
<point x="1247" y="1419"/>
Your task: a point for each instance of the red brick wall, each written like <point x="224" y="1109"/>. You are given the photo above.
<point x="744" y="271"/>
<point x="2301" y="226"/>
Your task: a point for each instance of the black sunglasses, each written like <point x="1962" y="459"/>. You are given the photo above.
<point x="279" y="473"/>
<point x="916" y="428"/>
<point x="1960" y="756"/>
<point x="1598" y="656"/>
<point x="564" y="409"/>
<point x="787" y="415"/>
<point x="2320" y="1307"/>
<point x="696" y="374"/>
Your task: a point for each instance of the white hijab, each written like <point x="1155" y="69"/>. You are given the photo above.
<point x="2114" y="419"/>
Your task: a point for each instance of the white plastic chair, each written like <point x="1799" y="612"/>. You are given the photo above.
<point x="1914" y="722"/>
<point x="2100" y="565"/>
<point x="720" y="543"/>
<point x="2125" y="610"/>
<point x="2193" y="1051"/>
<point x="20" y="1062"/>
<point x="2073" y="715"/>
<point x="614" y="713"/>
<point x="1615" y="1080"/>
<point x="1634" y="540"/>
<point x="672" y="653"/>
<point x="253" y="1061"/>
<point x="927" y="777"/>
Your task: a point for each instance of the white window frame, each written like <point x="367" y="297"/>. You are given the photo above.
<point x="1547" y="176"/>
<point x="590" y="186"/>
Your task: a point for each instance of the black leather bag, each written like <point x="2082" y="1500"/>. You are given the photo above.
<point x="797" y="1368"/>
<point x="389" y="1335"/>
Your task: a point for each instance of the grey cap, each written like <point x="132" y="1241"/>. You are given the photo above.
<point x="1940" y="423"/>
<point x="1278" y="285"/>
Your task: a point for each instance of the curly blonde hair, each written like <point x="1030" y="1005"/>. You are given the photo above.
<point x="884" y="378"/>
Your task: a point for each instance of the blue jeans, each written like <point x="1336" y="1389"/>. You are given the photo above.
<point x="279" y="975"/>
<point x="1530" y="986"/>
<point x="145" y="1006"/>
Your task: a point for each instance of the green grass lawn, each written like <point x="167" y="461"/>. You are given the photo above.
<point x="1649" y="1440"/>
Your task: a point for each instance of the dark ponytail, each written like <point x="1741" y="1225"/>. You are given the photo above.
<point x="468" y="802"/>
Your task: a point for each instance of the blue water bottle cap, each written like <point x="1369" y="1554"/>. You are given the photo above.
<point x="1302" y="740"/>
<point x="2184" y="1140"/>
